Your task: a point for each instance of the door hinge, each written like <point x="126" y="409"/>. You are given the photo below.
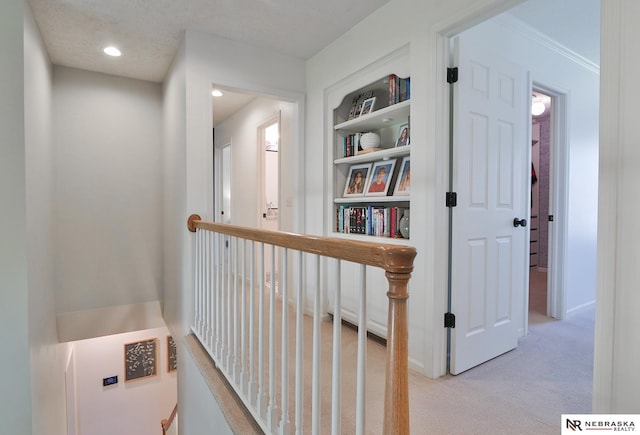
<point x="452" y="199"/>
<point x="449" y="320"/>
<point x="452" y="75"/>
<point x="550" y="218"/>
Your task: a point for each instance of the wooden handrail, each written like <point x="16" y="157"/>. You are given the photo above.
<point x="391" y="258"/>
<point x="166" y="423"/>
<point x="397" y="261"/>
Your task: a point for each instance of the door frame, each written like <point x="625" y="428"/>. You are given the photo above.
<point x="276" y="118"/>
<point x="444" y="34"/>
<point x="218" y="177"/>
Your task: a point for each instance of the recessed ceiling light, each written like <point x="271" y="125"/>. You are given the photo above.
<point x="216" y="93"/>
<point x="112" y="51"/>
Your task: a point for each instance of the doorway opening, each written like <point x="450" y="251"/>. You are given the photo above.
<point x="541" y="217"/>
<point x="269" y="187"/>
<point x="558" y="300"/>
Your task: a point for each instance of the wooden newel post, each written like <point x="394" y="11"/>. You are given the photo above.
<point x="396" y="396"/>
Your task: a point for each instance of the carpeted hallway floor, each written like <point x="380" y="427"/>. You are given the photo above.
<point x="524" y="391"/>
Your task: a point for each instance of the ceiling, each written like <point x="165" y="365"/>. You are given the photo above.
<point x="149" y="31"/>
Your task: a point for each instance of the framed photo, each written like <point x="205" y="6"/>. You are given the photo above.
<point x="172" y="357"/>
<point x="357" y="179"/>
<point x="380" y="179"/>
<point x="403" y="182"/>
<point x="403" y="138"/>
<point x="367" y="106"/>
<point x="140" y="359"/>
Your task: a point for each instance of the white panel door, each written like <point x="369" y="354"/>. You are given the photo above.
<point x="490" y="157"/>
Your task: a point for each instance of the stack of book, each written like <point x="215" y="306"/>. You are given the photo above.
<point x="399" y="89"/>
<point x="369" y="220"/>
<point x="351" y="144"/>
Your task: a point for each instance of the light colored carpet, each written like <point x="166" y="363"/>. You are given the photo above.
<point x="524" y="391"/>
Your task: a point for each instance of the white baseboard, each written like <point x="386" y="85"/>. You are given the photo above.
<point x="581" y="309"/>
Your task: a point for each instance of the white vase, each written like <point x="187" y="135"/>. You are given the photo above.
<point x="369" y="140"/>
<point x="404" y="224"/>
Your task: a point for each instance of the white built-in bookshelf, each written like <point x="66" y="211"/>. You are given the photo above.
<point x="372" y="184"/>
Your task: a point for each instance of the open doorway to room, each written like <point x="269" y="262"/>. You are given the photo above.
<point x="268" y="187"/>
<point x="254" y="139"/>
<point x="268" y="182"/>
<point x="541" y="217"/>
<point x="492" y="68"/>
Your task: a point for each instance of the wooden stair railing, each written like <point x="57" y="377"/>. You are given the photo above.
<point x="395" y="260"/>
<point x="167" y="422"/>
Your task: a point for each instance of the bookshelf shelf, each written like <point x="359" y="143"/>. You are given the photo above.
<point x="377" y="118"/>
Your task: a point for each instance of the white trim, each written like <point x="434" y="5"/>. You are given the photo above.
<point x="609" y="182"/>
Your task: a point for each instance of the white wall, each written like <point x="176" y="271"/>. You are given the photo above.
<point x="188" y="178"/>
<point x="15" y="412"/>
<point x="134" y="407"/>
<point x="199" y="411"/>
<point x="108" y="193"/>
<point x="48" y="357"/>
<point x="173" y="188"/>
<point x="241" y="130"/>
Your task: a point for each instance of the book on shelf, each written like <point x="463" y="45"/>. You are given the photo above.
<point x="369" y="220"/>
<point x="399" y="89"/>
<point x="351" y="145"/>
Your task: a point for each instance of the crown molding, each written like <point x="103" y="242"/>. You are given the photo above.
<point x="540" y="38"/>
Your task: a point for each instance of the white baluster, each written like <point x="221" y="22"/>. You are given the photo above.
<point x="243" y="320"/>
<point x="214" y="292"/>
<point x="361" y="370"/>
<point x="299" y="404"/>
<point x="284" y="354"/>
<point x="236" y="325"/>
<point x="219" y="290"/>
<point x="207" y="291"/>
<point x="262" y="393"/>
<point x="273" y="406"/>
<point x="316" y="388"/>
<point x="226" y="319"/>
<point x="252" y="338"/>
<point x="336" y="398"/>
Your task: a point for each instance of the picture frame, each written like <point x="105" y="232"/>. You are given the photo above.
<point x="380" y="179"/>
<point x="172" y="357"/>
<point x="403" y="138"/>
<point x="356" y="181"/>
<point x="403" y="181"/>
<point x="367" y="106"/>
<point x="140" y="359"/>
